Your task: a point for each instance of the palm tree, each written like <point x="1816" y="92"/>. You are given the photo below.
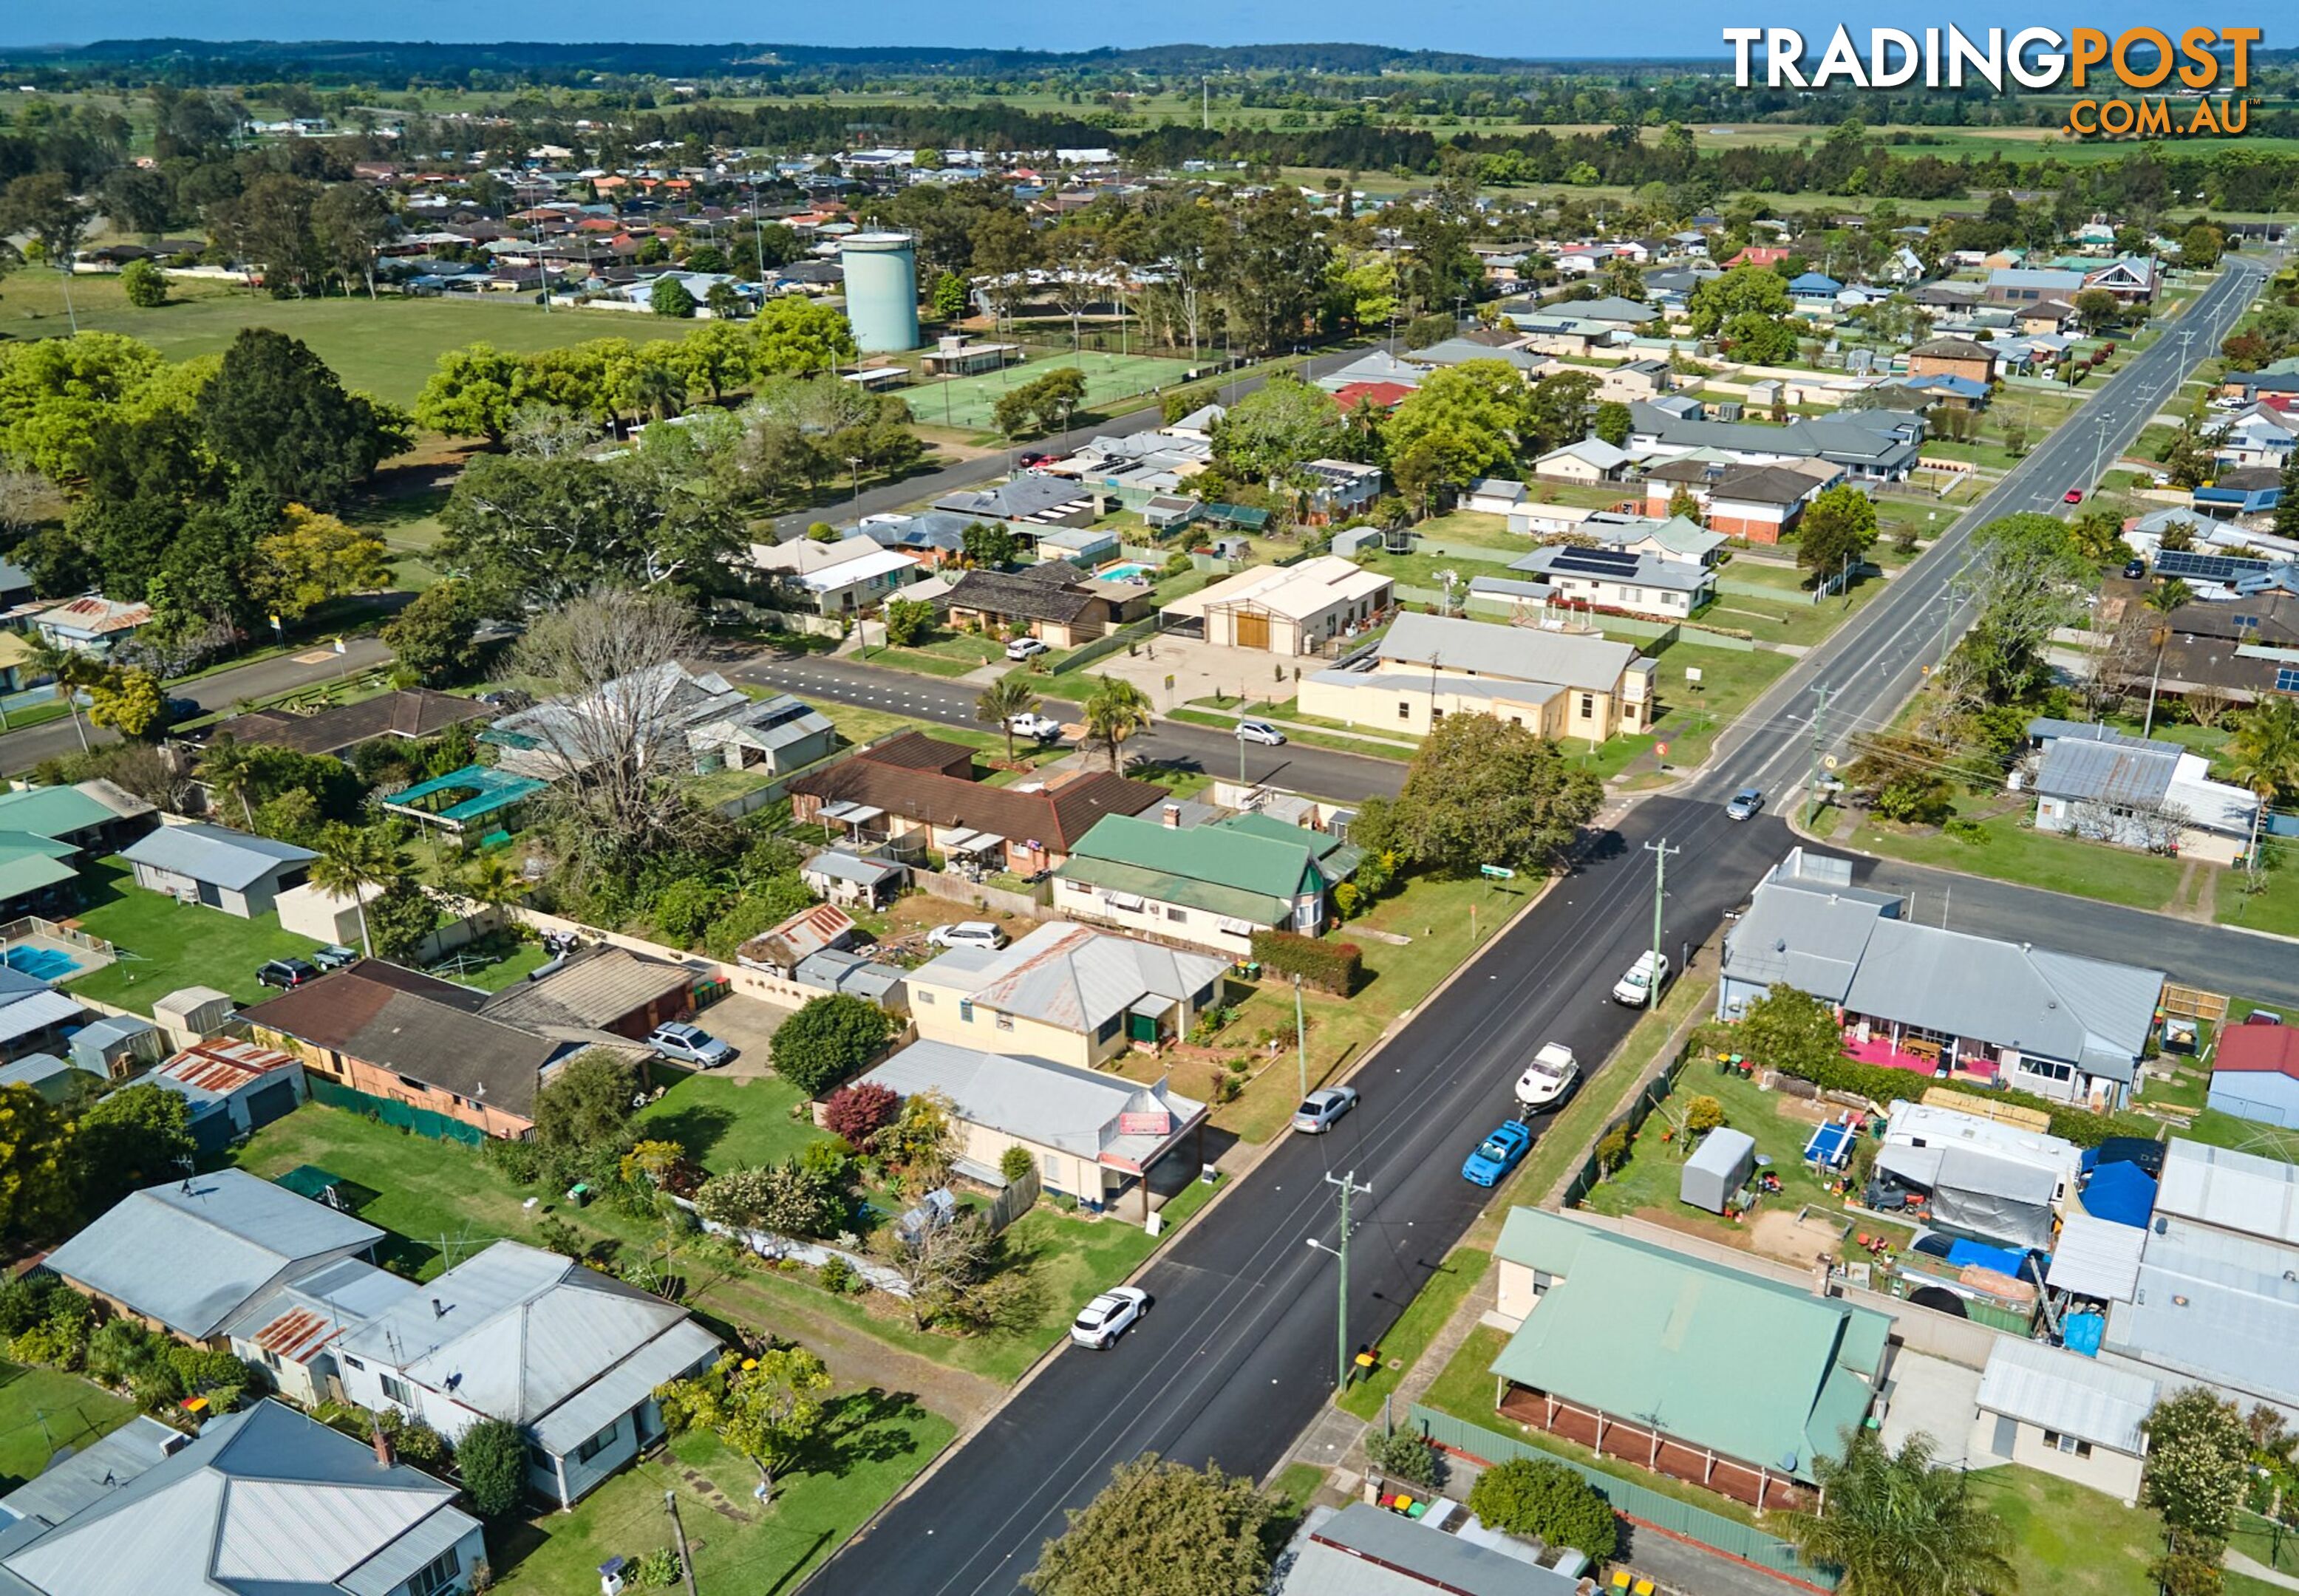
<point x="491" y="878"/>
<point x="656" y="390"/>
<point x="228" y="769"/>
<point x="1897" y="1525"/>
<point x="2164" y="600"/>
<point x="72" y="669"/>
<point x="351" y="859"/>
<point x="1116" y="712"/>
<point x="2264" y="756"/>
<point x="1000" y="702"/>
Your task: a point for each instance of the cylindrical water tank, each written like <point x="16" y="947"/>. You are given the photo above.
<point x="882" y="290"/>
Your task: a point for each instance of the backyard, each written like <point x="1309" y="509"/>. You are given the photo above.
<point x="44" y="1411"/>
<point x="164" y="945"/>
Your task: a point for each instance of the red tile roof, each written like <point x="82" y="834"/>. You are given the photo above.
<point x="2259" y="1049"/>
<point x="1387" y="395"/>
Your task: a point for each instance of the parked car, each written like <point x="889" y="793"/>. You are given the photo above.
<point x="1321" y="1108"/>
<point x="2073" y="496"/>
<point x="1030" y="459"/>
<point x="1260" y="732"/>
<point x="967" y="933"/>
<point x="1024" y="648"/>
<point x="1745" y="804"/>
<point x="1043" y="728"/>
<point x="175" y="710"/>
<point x="2135" y="567"/>
<point x="335" y="955"/>
<point x="287" y="974"/>
<point x="1101" y="1322"/>
<point x="689" y="1044"/>
<point x="1498" y="1154"/>
<point x="1645" y="977"/>
<point x="1548" y="1078"/>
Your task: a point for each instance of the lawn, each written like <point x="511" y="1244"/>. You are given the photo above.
<point x="1692" y="715"/>
<point x="1417" y="1326"/>
<point x="2275" y="908"/>
<point x="727" y="1123"/>
<point x="493" y="962"/>
<point x="2070" y="1540"/>
<point x="966" y="402"/>
<point x="872" y="1444"/>
<point x="2015" y="852"/>
<point x="44" y="1411"/>
<point x="165" y="945"/>
<point x="2219" y="1129"/>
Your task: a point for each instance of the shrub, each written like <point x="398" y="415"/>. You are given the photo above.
<point x="414" y="1441"/>
<point x="1525" y="1496"/>
<point x="829" y="1040"/>
<point x="1335" y="967"/>
<point x="1612" y="1149"/>
<point x="1703" y="1114"/>
<point x="1882" y="1085"/>
<point x="1016" y="1163"/>
<point x="492" y="1457"/>
<point x="555" y="1234"/>
<point x="858" y="1112"/>
<point x="145" y="284"/>
<point x="657" y="1570"/>
<point x="1967" y="831"/>
<point x="838" y="1277"/>
<point x="1402" y="1455"/>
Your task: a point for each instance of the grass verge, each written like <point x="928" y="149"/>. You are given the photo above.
<point x="1417" y="1326"/>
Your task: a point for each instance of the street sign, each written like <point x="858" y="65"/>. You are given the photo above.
<point x="1827" y="761"/>
<point x="1500" y="873"/>
<point x="1661" y="749"/>
<point x="1692" y="675"/>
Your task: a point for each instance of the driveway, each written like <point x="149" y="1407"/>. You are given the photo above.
<point x="747" y="1025"/>
<point x="1931" y="1396"/>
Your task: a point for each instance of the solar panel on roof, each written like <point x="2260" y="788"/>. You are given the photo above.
<point x="1597" y="562"/>
<point x="2207" y="567"/>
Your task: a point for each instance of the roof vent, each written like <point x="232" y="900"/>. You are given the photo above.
<point x="438" y="1308"/>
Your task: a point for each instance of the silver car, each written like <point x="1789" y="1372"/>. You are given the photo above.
<point x="1260" y="732"/>
<point x="1322" y="1108"/>
<point x="690" y="1045"/>
<point x="1745" y="804"/>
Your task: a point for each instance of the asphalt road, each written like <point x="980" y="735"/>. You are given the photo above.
<point x="1344" y="778"/>
<point x="1238" y="1353"/>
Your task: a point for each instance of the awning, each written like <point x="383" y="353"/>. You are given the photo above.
<point x="624" y="1386"/>
<point x="1122" y="900"/>
<point x="850" y="814"/>
<point x="974" y="843"/>
<point x="1911" y="1166"/>
<point x="2097" y="1258"/>
<point x="1236" y="927"/>
<point x="37" y="1012"/>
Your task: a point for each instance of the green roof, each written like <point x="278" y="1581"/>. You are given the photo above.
<point x="51" y="811"/>
<point x="1336" y="860"/>
<point x="28" y="862"/>
<point x="1213" y="897"/>
<point x="1754" y="1368"/>
<point x="1226" y="854"/>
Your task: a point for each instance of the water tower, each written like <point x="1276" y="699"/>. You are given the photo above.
<point x="882" y="290"/>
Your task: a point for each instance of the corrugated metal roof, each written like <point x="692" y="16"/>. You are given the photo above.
<point x="1073" y="977"/>
<point x="2229" y="1190"/>
<point x="223" y="1065"/>
<point x="1366" y="1550"/>
<point x="1032" y="1098"/>
<point x="1513" y="653"/>
<point x="2097" y="1258"/>
<point x="205" y="853"/>
<point x="2104" y="773"/>
<point x="37" y="1012"/>
<point x="2219" y="1306"/>
<point x="676" y="1352"/>
<point x="2069" y="1392"/>
<point x="1812" y="939"/>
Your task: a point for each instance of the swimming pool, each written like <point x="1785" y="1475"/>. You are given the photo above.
<point x="42" y="963"/>
<point x="1132" y="571"/>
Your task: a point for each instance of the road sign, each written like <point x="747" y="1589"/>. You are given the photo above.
<point x="1827" y="761"/>
<point x="1661" y="749"/>
<point x="1500" y="873"/>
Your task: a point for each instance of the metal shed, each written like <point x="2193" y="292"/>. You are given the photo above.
<point x="1718" y="1167"/>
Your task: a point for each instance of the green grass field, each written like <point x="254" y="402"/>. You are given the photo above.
<point x="44" y="1411"/>
<point x="166" y="945"/>
<point x="726" y="1123"/>
<point x="965" y="402"/>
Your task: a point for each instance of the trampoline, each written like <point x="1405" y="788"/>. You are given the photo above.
<point x="1831" y="1147"/>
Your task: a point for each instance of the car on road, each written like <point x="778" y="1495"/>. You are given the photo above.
<point x="1101" y="1322"/>
<point x="689" y="1045"/>
<point x="1498" y="1154"/>
<point x="1260" y="732"/>
<point x="1024" y="648"/>
<point x="335" y="955"/>
<point x="1043" y="728"/>
<point x="1645" y="977"/>
<point x="287" y="974"/>
<point x="2135" y="567"/>
<point x="1547" y="1080"/>
<point x="1321" y="1108"/>
<point x="1745" y="804"/>
<point x="1030" y="459"/>
<point x="2073" y="496"/>
<point x="967" y="933"/>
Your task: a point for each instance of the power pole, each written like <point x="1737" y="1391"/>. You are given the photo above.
<point x="1660" y="852"/>
<point x="1349" y="1186"/>
<point x="1819" y="744"/>
<point x="686" y="1562"/>
<point x="1300" y="1036"/>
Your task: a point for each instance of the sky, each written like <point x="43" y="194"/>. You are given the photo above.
<point x="1541" y="29"/>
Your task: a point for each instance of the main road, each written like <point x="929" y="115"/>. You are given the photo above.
<point x="1238" y="1354"/>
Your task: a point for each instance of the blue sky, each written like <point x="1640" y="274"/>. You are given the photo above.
<point x="1656" y="27"/>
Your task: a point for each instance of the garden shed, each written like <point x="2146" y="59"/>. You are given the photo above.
<point x="1718" y="1167"/>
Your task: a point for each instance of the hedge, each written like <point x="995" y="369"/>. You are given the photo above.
<point x="1335" y="967"/>
<point x="1883" y="1084"/>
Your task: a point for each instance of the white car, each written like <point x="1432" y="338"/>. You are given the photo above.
<point x="1022" y="647"/>
<point x="1043" y="728"/>
<point x="967" y="933"/>
<point x="689" y="1044"/>
<point x="1548" y="1078"/>
<point x="1101" y="1322"/>
<point x="1322" y="1108"/>
<point x="1260" y="732"/>
<point x="1645" y="977"/>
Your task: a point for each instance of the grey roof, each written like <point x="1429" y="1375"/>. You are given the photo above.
<point x="95" y="1471"/>
<point x="1374" y="365"/>
<point x="1025" y="496"/>
<point x="2218" y="1307"/>
<point x="1034" y="1099"/>
<point x="835" y="970"/>
<point x="236" y="860"/>
<point x="1498" y="689"/>
<point x="192" y="1254"/>
<point x="1764" y="484"/>
<point x="1812" y="937"/>
<point x="37" y="1011"/>
<point x="2229" y="1190"/>
<point x="1453" y="352"/>
<point x="1510" y="652"/>
<point x="1071" y="977"/>
<point x="767" y="724"/>
<point x="302" y="1318"/>
<point x="523" y="1335"/>
<point x="2069" y="1392"/>
<point x="1366" y="1550"/>
<point x="2106" y="772"/>
<point x="2044" y="728"/>
<point x="928" y="529"/>
<point x="2095" y="1257"/>
<point x="1508" y="588"/>
<point x="1685" y="540"/>
<point x="34" y="1068"/>
<point x="265" y="1502"/>
<point x="1650" y="570"/>
<point x="1811" y="437"/>
<point x="1612" y="308"/>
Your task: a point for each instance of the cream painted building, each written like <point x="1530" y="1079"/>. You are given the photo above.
<point x="1289" y="609"/>
<point x="2066" y="1414"/>
<point x="1067" y="993"/>
<point x="1561" y="684"/>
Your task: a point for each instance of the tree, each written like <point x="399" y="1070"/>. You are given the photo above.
<point x="351" y="222"/>
<point x="859" y="1112"/>
<point x="1270" y="260"/>
<point x="829" y="1040"/>
<point x="2099" y="534"/>
<point x="655" y="388"/>
<point x="1613" y="421"/>
<point x="352" y="862"/>
<point x="921" y="1142"/>
<point x="491" y="1459"/>
<point x="1001" y="702"/>
<point x="1755" y="340"/>
<point x="36" y="1194"/>
<point x="2099" y="310"/>
<point x="2200" y="246"/>
<point x="472" y="392"/>
<point x="315" y="557"/>
<point x="1475" y="416"/>
<point x="2026" y="579"/>
<point x="402" y="917"/>
<point x="534" y="532"/>
<point x="2286" y="508"/>
<point x="1480" y="791"/>
<point x="1745" y="290"/>
<point x="767" y="1407"/>
<point x="2264" y="754"/>
<point x="1161" y="1528"/>
<point x="671" y="298"/>
<point x="1898" y="1524"/>
<point x="948" y="298"/>
<point x="1791" y="1031"/>
<point x="227" y="767"/>
<point x="907" y="620"/>
<point x="587" y="1102"/>
<point x="986" y="546"/>
<point x="1837" y="527"/>
<point x="44" y="205"/>
<point x="1525" y="1496"/>
<point x="134" y="1137"/>
<point x="1271" y="431"/>
<point x="2162" y="601"/>
<point x="436" y="636"/>
<point x="128" y="701"/>
<point x="286" y="426"/>
<point x="58" y="392"/>
<point x="718" y="355"/>
<point x="144" y="284"/>
<point x="1115" y="711"/>
<point x="793" y="335"/>
<point x="2199" y="1461"/>
<point x="268" y="225"/>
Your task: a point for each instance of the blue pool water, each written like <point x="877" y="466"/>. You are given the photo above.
<point x="1129" y="572"/>
<point x="43" y="963"/>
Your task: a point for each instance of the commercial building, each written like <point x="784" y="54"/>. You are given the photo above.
<point x="1291" y="609"/>
<point x="1557" y="683"/>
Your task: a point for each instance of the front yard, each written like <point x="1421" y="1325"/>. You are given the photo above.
<point x="165" y="945"/>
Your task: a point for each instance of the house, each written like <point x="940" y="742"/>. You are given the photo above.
<point x="91" y="817"/>
<point x="843" y="877"/>
<point x="2018" y="285"/>
<point x="2259" y="436"/>
<point x="1589" y="460"/>
<point x="1337" y="490"/>
<point x="409" y="713"/>
<point x="237" y="871"/>
<point x="1493" y="495"/>
<point x="1613" y="579"/>
<point x="1760" y="503"/>
<point x="2134" y="279"/>
<point x="1814" y="291"/>
<point x="1210" y="885"/>
<point x="1051" y="602"/>
<point x="857" y="572"/>
<point x="609" y="991"/>
<point x="1635" y="379"/>
<point x="290" y="1335"/>
<point x="91" y="623"/>
<point x="1377" y="367"/>
<point x="1929" y="1000"/>
<point x="234" y="1088"/>
<point x="1368" y="1550"/>
<point x="569" y="1355"/>
<point x="2059" y="1412"/>
<point x="1862" y="453"/>
<point x="34" y="1016"/>
<point x="51" y="1077"/>
<point x="2255" y="1073"/>
<point x="1067" y="992"/>
<point x="648" y="715"/>
<point x="896" y="792"/>
<point x="1558" y="683"/>
<point x="266" y="1500"/>
<point x="2045" y="316"/>
<point x="776" y="734"/>
<point x="1029" y="500"/>
<point x="1291" y="609"/>
<point x="1455" y="351"/>
<point x="189" y="1257"/>
<point x="2151" y="795"/>
<point x="1616" y="311"/>
<point x="1640" y="1352"/>
<point x="933" y="538"/>
<point x="1953" y="357"/>
<point x="1094" y="1138"/>
<point x="2239" y="491"/>
<point x="1670" y="537"/>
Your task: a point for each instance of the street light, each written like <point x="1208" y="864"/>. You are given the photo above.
<point x="854" y="464"/>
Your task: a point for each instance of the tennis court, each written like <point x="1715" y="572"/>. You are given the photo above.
<point x="964" y="402"/>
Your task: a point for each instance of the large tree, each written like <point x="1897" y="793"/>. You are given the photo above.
<point x="767" y="1408"/>
<point x="1271" y="431"/>
<point x="1897" y="1523"/>
<point x="2264" y="754"/>
<point x="473" y="390"/>
<point x="827" y="1040"/>
<point x="2198" y="1462"/>
<point x="1472" y="416"/>
<point x="436" y="636"/>
<point x="1745" y="290"/>
<point x="134" y="1137"/>
<point x="2026" y="580"/>
<point x="1483" y="791"/>
<point x="1836" y="531"/>
<point x="1161" y="1528"/>
<point x="315" y="557"/>
<point x="1270" y="264"/>
<point x="1791" y="1031"/>
<point x="351" y="222"/>
<point x="44" y="205"/>
<point x="587" y="1102"/>
<point x="36" y="1188"/>
<point x="1115" y="711"/>
<point x="286" y="427"/>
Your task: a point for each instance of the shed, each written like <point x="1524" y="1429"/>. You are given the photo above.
<point x="232" y="871"/>
<point x="234" y="1088"/>
<point x="2066" y="1414"/>
<point x="194" y="1010"/>
<point x="113" y="1047"/>
<point x="1718" y="1167"/>
<point x="51" y="1077"/>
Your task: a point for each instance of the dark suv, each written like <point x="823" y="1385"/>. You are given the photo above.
<point x="287" y="974"/>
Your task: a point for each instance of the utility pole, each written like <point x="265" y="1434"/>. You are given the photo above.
<point x="1818" y="742"/>
<point x="1348" y="1185"/>
<point x="686" y="1562"/>
<point x="1300" y="1036"/>
<point x="1660" y="852"/>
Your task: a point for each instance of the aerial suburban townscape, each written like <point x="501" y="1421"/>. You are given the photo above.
<point x="1323" y="820"/>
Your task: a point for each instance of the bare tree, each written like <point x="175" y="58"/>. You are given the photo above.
<point x="27" y="498"/>
<point x="544" y="431"/>
<point x="2208" y="704"/>
<point x="2109" y="670"/>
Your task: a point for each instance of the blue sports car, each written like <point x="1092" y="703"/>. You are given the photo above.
<point x="1497" y="1154"/>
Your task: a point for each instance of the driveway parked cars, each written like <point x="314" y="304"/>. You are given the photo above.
<point x="335" y="955"/>
<point x="1498" y="1154"/>
<point x="1101" y="1322"/>
<point x="690" y="1045"/>
<point x="967" y="933"/>
<point x="287" y="974"/>
<point x="1321" y="1108"/>
<point x="1648" y="973"/>
<point x="1024" y="648"/>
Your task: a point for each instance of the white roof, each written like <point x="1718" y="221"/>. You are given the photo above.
<point x="2097" y="1258"/>
<point x="2230" y="1191"/>
<point x="1070" y="976"/>
<point x="1512" y="653"/>
<point x="2068" y="1393"/>
<point x="1297" y="592"/>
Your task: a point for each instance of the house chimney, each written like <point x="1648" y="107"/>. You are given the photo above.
<point x="382" y="1442"/>
<point x="1172" y="814"/>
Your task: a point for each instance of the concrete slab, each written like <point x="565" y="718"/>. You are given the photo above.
<point x="1933" y="1397"/>
<point x="747" y="1025"/>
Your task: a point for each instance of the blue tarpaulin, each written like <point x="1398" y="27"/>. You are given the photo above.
<point x="2084" y="1331"/>
<point x="2004" y="1261"/>
<point x="2120" y="1193"/>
